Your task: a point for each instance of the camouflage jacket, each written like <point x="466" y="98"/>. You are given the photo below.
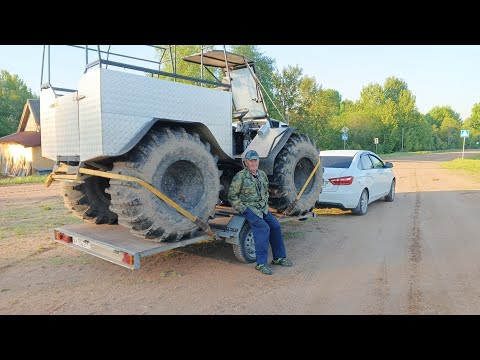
<point x="245" y="192"/>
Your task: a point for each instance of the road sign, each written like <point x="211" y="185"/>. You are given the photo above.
<point x="345" y="129"/>
<point x="464" y="133"/>
<point x="375" y="141"/>
<point x="344" y="136"/>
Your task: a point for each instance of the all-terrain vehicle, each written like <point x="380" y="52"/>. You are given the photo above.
<point x="183" y="135"/>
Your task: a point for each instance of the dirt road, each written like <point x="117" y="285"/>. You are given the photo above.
<point x="416" y="255"/>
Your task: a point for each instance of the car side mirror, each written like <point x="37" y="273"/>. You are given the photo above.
<point x="388" y="164"/>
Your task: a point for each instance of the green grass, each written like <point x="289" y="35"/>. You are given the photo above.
<point x="33" y="179"/>
<point x="403" y="153"/>
<point x="409" y="153"/>
<point x="83" y="259"/>
<point x="30" y="219"/>
<point x="471" y="166"/>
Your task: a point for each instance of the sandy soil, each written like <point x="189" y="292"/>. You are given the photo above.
<point x="416" y="255"/>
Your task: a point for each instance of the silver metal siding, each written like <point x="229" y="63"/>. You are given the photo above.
<point x="66" y="120"/>
<point x="48" y="132"/>
<point x="90" y="116"/>
<point x="115" y="106"/>
<point x="59" y="124"/>
<point x="130" y="101"/>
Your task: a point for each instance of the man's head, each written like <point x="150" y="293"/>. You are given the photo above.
<point x="251" y="161"/>
<point x="251" y="155"/>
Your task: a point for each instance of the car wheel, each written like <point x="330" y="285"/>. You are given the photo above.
<point x="245" y="252"/>
<point x="362" y="206"/>
<point x="391" y="195"/>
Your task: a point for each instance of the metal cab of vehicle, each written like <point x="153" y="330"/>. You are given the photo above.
<point x="352" y="179"/>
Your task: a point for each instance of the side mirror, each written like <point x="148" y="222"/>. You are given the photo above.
<point x="388" y="164"/>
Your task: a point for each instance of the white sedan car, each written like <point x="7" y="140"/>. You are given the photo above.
<point x="352" y="179"/>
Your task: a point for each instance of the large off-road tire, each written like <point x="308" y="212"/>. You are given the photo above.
<point x="293" y="165"/>
<point x="181" y="167"/>
<point x="88" y="201"/>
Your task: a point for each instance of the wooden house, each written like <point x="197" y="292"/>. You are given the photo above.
<point x="21" y="152"/>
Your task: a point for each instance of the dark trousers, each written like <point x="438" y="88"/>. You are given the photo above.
<point x="266" y="230"/>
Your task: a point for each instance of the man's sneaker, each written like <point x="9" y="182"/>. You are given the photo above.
<point x="282" y="262"/>
<point x="264" y="269"/>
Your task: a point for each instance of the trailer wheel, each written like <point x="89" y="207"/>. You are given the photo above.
<point x="88" y="201"/>
<point x="293" y="165"/>
<point x="181" y="167"/>
<point x="245" y="252"/>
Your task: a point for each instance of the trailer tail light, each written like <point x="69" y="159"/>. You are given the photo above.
<point x="344" y="180"/>
<point x="62" y="237"/>
<point x="127" y="258"/>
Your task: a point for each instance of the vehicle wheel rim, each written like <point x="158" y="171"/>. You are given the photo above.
<point x="363" y="202"/>
<point x="180" y="180"/>
<point x="250" y="244"/>
<point x="393" y="191"/>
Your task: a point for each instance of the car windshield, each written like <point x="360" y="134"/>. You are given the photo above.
<point x="339" y="162"/>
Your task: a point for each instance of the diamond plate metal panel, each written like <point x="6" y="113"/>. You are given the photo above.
<point x="59" y="119"/>
<point x="90" y="116"/>
<point x="129" y="101"/>
<point x="118" y="130"/>
<point x="114" y="107"/>
<point x="66" y="123"/>
<point x="48" y="130"/>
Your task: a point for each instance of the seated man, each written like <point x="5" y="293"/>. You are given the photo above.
<point x="248" y="194"/>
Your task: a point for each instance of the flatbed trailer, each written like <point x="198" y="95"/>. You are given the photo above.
<point x="116" y="244"/>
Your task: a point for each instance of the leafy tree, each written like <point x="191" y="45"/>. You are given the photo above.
<point x="172" y="61"/>
<point x="419" y="136"/>
<point x="13" y="96"/>
<point x="287" y="88"/>
<point x="393" y="89"/>
<point x="308" y="92"/>
<point x="346" y="105"/>
<point x="450" y="131"/>
<point x="438" y="113"/>
<point x="327" y="104"/>
<point x="393" y="105"/>
<point x="303" y="118"/>
<point x="447" y="124"/>
<point x="473" y="122"/>
<point x="372" y="95"/>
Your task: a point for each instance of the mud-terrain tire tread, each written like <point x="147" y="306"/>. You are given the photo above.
<point x="292" y="167"/>
<point x="89" y="201"/>
<point x="161" y="150"/>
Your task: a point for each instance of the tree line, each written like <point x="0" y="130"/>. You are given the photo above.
<point x="385" y="111"/>
<point x="13" y="96"/>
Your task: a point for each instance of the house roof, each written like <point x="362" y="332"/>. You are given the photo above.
<point x="32" y="106"/>
<point x="25" y="138"/>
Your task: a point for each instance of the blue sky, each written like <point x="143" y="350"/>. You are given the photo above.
<point x="435" y="74"/>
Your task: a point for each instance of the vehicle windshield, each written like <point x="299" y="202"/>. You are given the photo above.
<point x="339" y="162"/>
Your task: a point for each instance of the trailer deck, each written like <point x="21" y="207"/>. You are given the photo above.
<point x="116" y="244"/>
